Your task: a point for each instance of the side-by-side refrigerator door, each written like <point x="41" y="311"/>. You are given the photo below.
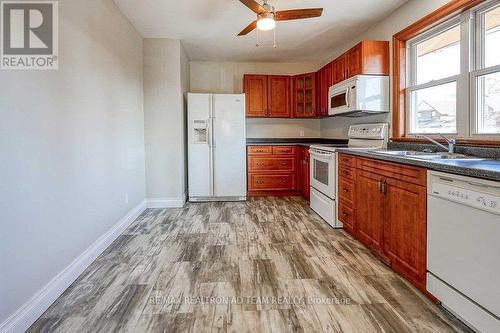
<point x="229" y="146"/>
<point x="199" y="146"/>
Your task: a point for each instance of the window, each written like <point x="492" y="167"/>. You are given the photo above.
<point x="453" y="76"/>
<point x="434" y="69"/>
<point x="486" y="77"/>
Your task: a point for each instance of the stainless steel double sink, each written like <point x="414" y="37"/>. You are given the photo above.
<point x="420" y="155"/>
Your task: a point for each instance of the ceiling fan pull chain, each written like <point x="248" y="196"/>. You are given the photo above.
<point x="274" y="42"/>
<point x="258" y="42"/>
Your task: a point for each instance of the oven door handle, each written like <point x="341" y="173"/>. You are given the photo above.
<point x="316" y="152"/>
<point x="321" y="156"/>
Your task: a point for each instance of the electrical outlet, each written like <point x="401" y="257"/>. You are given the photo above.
<point x="126" y="198"/>
<point x="301" y="133"/>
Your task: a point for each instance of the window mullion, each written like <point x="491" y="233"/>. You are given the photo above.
<point x="463" y="81"/>
<point x="434" y="83"/>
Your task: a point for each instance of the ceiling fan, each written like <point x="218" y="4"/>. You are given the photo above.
<point x="267" y="15"/>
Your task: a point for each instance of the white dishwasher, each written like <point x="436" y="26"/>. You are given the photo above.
<point x="463" y="247"/>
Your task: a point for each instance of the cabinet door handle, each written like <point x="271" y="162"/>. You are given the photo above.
<point x="345" y="172"/>
<point x="284" y="181"/>
<point x="284" y="163"/>
<point x="384" y="187"/>
<point x="345" y="190"/>
<point x="344" y="214"/>
<point x="379" y="186"/>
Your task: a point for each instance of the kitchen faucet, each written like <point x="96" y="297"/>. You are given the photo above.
<point x="451" y="143"/>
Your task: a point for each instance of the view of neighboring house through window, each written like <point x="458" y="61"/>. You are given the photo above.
<point x="453" y="79"/>
<point x="433" y="97"/>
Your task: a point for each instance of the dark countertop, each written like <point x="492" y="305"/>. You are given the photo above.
<point x="484" y="168"/>
<point x="293" y="141"/>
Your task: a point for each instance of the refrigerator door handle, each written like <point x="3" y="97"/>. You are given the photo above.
<point x="209" y="132"/>
<point x="213" y="132"/>
<point x="212" y="145"/>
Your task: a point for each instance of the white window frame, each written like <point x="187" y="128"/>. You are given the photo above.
<point x="478" y="67"/>
<point x="412" y="70"/>
<point x="471" y="67"/>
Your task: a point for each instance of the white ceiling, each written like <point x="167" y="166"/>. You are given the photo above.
<point x="208" y="28"/>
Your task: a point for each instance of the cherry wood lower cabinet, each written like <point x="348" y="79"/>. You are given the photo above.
<point x="305" y="171"/>
<point x="278" y="170"/>
<point x="272" y="170"/>
<point x="405" y="229"/>
<point x="388" y="213"/>
<point x="369" y="205"/>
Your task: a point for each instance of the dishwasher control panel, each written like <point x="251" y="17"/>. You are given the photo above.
<point x="484" y="195"/>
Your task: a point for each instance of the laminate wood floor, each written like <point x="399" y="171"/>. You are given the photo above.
<point x="267" y="265"/>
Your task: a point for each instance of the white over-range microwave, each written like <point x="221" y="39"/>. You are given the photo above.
<point x="359" y="96"/>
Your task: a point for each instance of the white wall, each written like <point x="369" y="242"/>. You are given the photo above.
<point x="165" y="81"/>
<point x="405" y="15"/>
<point x="227" y="77"/>
<point x="185" y="87"/>
<point x="71" y="147"/>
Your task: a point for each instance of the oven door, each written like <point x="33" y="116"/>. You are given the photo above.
<point x="323" y="172"/>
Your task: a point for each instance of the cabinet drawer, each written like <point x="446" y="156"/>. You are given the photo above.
<point x="346" y="215"/>
<point x="271" y="182"/>
<point x="347" y="172"/>
<point x="347" y="160"/>
<point x="260" y="150"/>
<point x="259" y="164"/>
<point x="283" y="150"/>
<point x="406" y="173"/>
<point x="346" y="189"/>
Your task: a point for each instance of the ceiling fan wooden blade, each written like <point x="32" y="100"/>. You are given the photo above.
<point x="254" y="6"/>
<point x="297" y="14"/>
<point x="248" y="29"/>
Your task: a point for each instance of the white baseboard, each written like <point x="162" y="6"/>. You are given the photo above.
<point x="166" y="202"/>
<point x="26" y="315"/>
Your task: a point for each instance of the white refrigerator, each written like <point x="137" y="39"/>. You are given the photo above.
<point x="216" y="147"/>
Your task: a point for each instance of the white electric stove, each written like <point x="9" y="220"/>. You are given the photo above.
<point x="324" y="167"/>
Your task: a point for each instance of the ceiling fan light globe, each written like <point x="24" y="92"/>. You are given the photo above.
<point x="266" y="24"/>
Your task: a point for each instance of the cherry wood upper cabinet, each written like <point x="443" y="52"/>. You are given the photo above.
<point x="304" y="95"/>
<point x="319" y="88"/>
<point x="369" y="57"/>
<point x="323" y="83"/>
<point x="355" y="61"/>
<point x="339" y="69"/>
<point x="278" y="96"/>
<point x="255" y="88"/>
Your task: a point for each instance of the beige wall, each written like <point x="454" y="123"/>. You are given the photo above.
<point x="165" y="81"/>
<point x="71" y="147"/>
<point x="227" y="77"/>
<point x="405" y="15"/>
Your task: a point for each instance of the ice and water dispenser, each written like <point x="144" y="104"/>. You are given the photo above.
<point x="200" y="128"/>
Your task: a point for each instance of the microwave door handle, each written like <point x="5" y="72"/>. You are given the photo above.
<point x="347" y="97"/>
